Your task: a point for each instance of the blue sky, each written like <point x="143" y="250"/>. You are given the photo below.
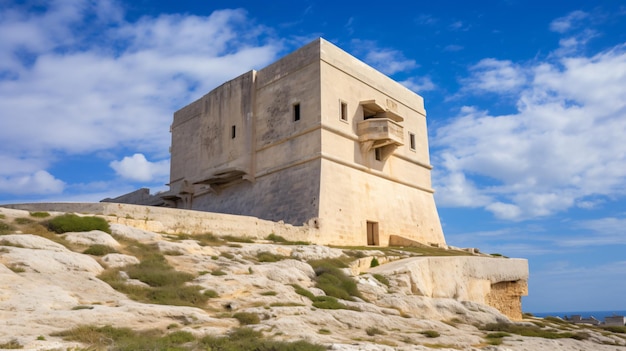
<point x="526" y="106"/>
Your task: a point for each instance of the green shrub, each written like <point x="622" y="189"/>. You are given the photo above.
<point x="24" y="220"/>
<point x="210" y="293"/>
<point x="238" y="239"/>
<point x="5" y="228"/>
<point x="497" y="335"/>
<point x="16" y="268"/>
<point x="269" y="257"/>
<point x="12" y="345"/>
<point x="166" y="286"/>
<point x="333" y="280"/>
<point x="125" y="339"/>
<point x="532" y="331"/>
<point x="276" y="238"/>
<point x="324" y="331"/>
<point x="329" y="303"/>
<point x="246" y="318"/>
<point x="227" y="255"/>
<point x="430" y="333"/>
<point x="285" y="304"/>
<point x="371" y="331"/>
<point x="73" y="223"/>
<point x="279" y="239"/>
<point x="246" y="339"/>
<point x="99" y="250"/>
<point x="374" y="262"/>
<point x="269" y="293"/>
<point x="218" y="272"/>
<point x="615" y="328"/>
<point x="40" y="214"/>
<point x="304" y="292"/>
<point x="381" y="278"/>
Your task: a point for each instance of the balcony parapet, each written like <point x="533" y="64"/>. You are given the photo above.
<point x="380" y="132"/>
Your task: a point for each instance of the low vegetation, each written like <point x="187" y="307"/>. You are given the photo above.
<point x="430" y="333"/>
<point x="124" y="339"/>
<point x="99" y="250"/>
<point x="74" y="223"/>
<point x="322" y="302"/>
<point x="5" y="228"/>
<point x="333" y="281"/>
<point x="23" y="220"/>
<point x="246" y="318"/>
<point x="13" y="344"/>
<point x="280" y="240"/>
<point x="165" y="285"/>
<point x="238" y="239"/>
<point x="39" y="214"/>
<point x="265" y="256"/>
<point x="533" y="331"/>
<point x="371" y="331"/>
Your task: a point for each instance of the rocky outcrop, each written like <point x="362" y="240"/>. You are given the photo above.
<point x="47" y="287"/>
<point x="497" y="282"/>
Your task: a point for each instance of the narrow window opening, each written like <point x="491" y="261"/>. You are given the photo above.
<point x="344" y="111"/>
<point x="378" y="154"/>
<point x="233" y="132"/>
<point x="412" y="141"/>
<point x="296" y="112"/>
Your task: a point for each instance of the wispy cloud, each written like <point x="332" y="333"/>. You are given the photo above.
<point x="560" y="148"/>
<point x="386" y="60"/>
<point x="78" y="78"/>
<point x="495" y="76"/>
<point x="419" y="84"/>
<point x="568" y="22"/>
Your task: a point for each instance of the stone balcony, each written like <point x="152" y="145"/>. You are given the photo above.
<point x="379" y="132"/>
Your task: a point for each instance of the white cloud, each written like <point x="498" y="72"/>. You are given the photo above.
<point x="563" y="145"/>
<point x="566" y="23"/>
<point x="77" y="78"/>
<point x="388" y="61"/>
<point x="419" y="84"/>
<point x="602" y="231"/>
<point x="137" y="168"/>
<point x="39" y="182"/>
<point x="495" y="76"/>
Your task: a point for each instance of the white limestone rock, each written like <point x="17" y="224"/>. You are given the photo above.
<point x="30" y="241"/>
<point x="315" y="252"/>
<point x="48" y="262"/>
<point x="286" y="272"/>
<point x="115" y="260"/>
<point x="134" y="233"/>
<point x="186" y="247"/>
<point x="94" y="237"/>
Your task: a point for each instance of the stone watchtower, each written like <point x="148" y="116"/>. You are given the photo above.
<point x="317" y="138"/>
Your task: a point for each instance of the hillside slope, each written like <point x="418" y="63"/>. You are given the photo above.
<point x="56" y="287"/>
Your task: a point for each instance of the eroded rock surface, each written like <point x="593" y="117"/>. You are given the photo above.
<point x="47" y="287"/>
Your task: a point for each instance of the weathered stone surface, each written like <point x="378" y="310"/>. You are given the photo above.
<point x="115" y="260"/>
<point x="47" y="288"/>
<point x="185" y="247"/>
<point x="30" y="241"/>
<point x="464" y="278"/>
<point x="94" y="237"/>
<point x="133" y="233"/>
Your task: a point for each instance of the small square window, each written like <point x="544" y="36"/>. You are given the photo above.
<point x="412" y="141"/>
<point x="344" y="111"/>
<point x="233" y="132"/>
<point x="296" y="112"/>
